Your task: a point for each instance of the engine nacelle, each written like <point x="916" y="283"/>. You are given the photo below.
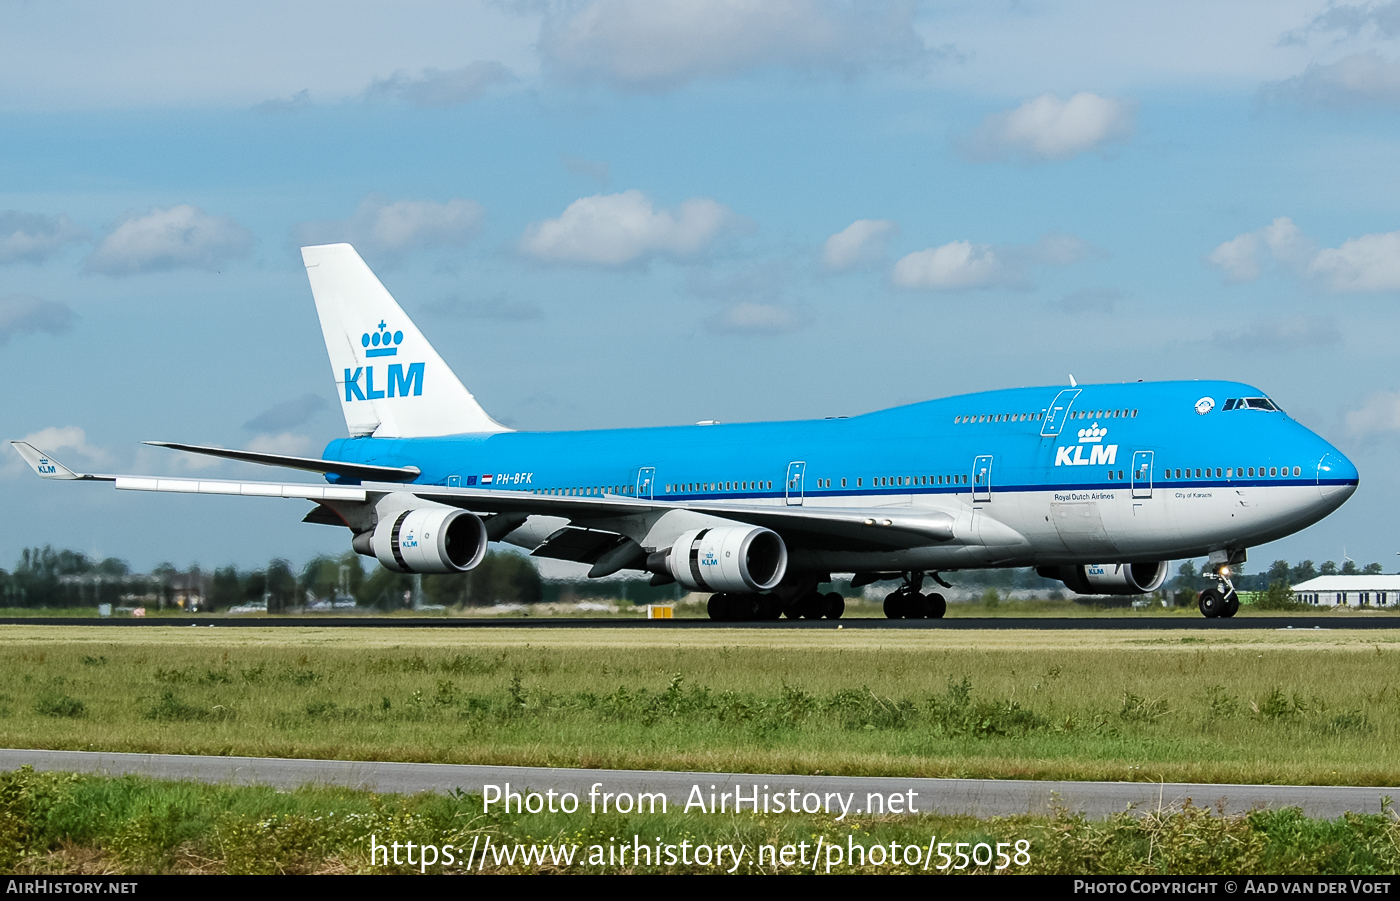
<point x="428" y="540"/>
<point x="1109" y="578"/>
<point x="734" y="558"/>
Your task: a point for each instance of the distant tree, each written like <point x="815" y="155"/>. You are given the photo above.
<point x="1279" y="573"/>
<point x="1328" y="569"/>
<point x="1372" y="569"/>
<point x="281" y="586"/>
<point x="1349" y="568"/>
<point x="1278" y="596"/>
<point x="225" y="589"/>
<point x="1303" y="572"/>
<point x="384" y="589"/>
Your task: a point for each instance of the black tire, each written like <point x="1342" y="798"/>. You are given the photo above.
<point x="1232" y="605"/>
<point x="894" y="605"/>
<point x="770" y="607"/>
<point x="835" y="605"/>
<point x="813" y="605"/>
<point x="918" y="606"/>
<point x="718" y="607"/>
<point x="1211" y="603"/>
<point x="937" y="606"/>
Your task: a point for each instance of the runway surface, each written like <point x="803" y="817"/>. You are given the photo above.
<point x="977" y="797"/>
<point x="1134" y="623"/>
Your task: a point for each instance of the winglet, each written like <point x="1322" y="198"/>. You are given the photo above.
<point x="47" y="467"/>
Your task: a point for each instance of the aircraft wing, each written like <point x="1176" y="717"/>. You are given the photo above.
<point x="844" y="527"/>
<point x="811" y="526"/>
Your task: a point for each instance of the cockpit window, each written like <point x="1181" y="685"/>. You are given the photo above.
<point x="1251" y="403"/>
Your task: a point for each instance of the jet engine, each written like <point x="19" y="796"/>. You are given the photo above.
<point x="1109" y="578"/>
<point x="427" y="540"/>
<point x="734" y="558"/>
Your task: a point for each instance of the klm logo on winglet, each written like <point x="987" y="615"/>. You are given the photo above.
<point x="398" y="382"/>
<point x="1100" y="454"/>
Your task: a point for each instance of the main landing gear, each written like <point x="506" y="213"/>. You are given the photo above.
<point x="1223" y="602"/>
<point x="908" y="602"/>
<point x="811" y="604"/>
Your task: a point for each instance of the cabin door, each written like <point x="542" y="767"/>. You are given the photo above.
<point x="645" y="477"/>
<point x="1142" y="474"/>
<point x="795" y="473"/>
<point x="982" y="478"/>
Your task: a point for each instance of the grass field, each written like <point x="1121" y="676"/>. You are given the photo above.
<point x="1271" y="706"/>
<point x="63" y="823"/>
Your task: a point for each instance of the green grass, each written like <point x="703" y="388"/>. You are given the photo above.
<point x="1283" y="707"/>
<point x="55" y="823"/>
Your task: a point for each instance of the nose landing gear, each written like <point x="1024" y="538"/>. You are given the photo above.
<point x="1215" y="602"/>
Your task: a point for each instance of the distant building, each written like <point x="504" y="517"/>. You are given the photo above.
<point x="1350" y="591"/>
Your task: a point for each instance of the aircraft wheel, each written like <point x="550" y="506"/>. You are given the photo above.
<point x="1212" y="603"/>
<point x="895" y="606"/>
<point x="917" y="606"/>
<point x="719" y="608"/>
<point x="1232" y="605"/>
<point x="937" y="606"/>
<point x="813" y="605"/>
<point x="770" y="607"/>
<point x="835" y="605"/>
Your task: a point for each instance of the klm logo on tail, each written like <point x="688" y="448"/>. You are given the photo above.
<point x="1100" y="454"/>
<point x="398" y="382"/>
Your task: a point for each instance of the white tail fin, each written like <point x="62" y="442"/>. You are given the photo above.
<point x="390" y="381"/>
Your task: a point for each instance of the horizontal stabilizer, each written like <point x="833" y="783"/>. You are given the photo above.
<point x="310" y="464"/>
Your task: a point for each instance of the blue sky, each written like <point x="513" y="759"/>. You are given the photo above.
<point x="623" y="213"/>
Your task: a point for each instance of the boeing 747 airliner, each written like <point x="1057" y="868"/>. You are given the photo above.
<point x="1095" y="485"/>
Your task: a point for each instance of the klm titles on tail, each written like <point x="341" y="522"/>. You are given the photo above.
<point x="383" y="344"/>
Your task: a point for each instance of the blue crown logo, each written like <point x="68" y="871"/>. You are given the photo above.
<point x="382" y="343"/>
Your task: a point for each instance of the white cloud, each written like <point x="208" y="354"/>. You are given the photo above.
<point x="1048" y="128"/>
<point x="180" y="237"/>
<point x="960" y="264"/>
<point x="1356" y="80"/>
<point x="963" y="264"/>
<point x="281" y="443"/>
<point x="660" y="45"/>
<point x="1366" y="264"/>
<point x="759" y="319"/>
<point x="1237" y="258"/>
<point x="1380" y="413"/>
<point x="394" y="229"/>
<point x="861" y="243"/>
<point x="31" y="238"/>
<point x="436" y="87"/>
<point x="21" y="314"/>
<point x="617" y="229"/>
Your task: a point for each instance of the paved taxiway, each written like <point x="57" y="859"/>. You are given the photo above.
<point x="978" y="797"/>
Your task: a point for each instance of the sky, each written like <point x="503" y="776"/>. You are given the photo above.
<point x="619" y="213"/>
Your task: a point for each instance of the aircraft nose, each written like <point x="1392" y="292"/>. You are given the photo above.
<point x="1337" y="477"/>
